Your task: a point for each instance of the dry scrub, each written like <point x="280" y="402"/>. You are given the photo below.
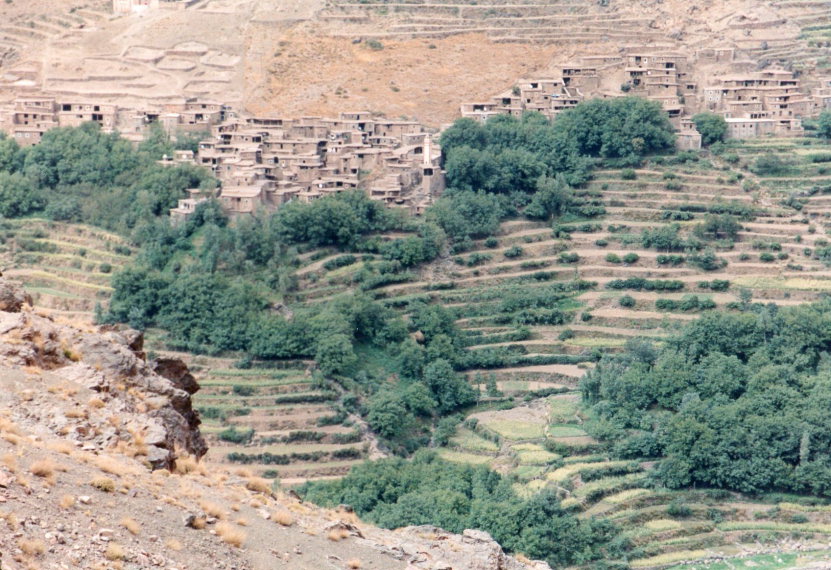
<point x="230" y="534"/>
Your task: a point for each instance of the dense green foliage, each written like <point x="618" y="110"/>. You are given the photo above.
<point x="427" y="490"/>
<point x="736" y="400"/>
<point x="507" y="155"/>
<point x="712" y="126"/>
<point x="83" y="175"/>
<point x="824" y="125"/>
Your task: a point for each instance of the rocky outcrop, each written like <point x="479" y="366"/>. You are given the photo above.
<point x="434" y="548"/>
<point x="151" y="401"/>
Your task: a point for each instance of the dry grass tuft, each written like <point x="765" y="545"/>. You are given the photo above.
<point x="230" y="534"/>
<point x="258" y="485"/>
<point x="354" y="564"/>
<point x="67" y="502"/>
<point x="212" y="509"/>
<point x="61" y="446"/>
<point x="104" y="484"/>
<point x="198" y="523"/>
<point x="187" y="464"/>
<point x="12" y="522"/>
<point x="113" y="467"/>
<point x="96" y="403"/>
<point x="11" y="438"/>
<point x="131" y="525"/>
<point x="283" y="518"/>
<point x="10" y="461"/>
<point x="242" y="522"/>
<point x="34" y="547"/>
<point x="114" y="552"/>
<point x="43" y="468"/>
<point x="337" y="534"/>
<point x="243" y="472"/>
<point x="8" y="426"/>
<point x="173" y="544"/>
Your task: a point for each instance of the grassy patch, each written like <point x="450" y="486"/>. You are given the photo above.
<point x="516" y="430"/>
<point x="565" y="430"/>
<point x="460" y="457"/>
<point x="467" y="439"/>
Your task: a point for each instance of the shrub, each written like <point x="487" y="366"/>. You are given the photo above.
<point x="105" y="268"/>
<point x="514" y="251"/>
<point x="341" y="261"/>
<point x="673" y="260"/>
<point x="766" y="257"/>
<point x="679" y="510"/>
<point x="569" y="258"/>
<point x="627" y="301"/>
<point x="601" y="243"/>
<point x="628" y="174"/>
<point x="631" y="257"/>
<point x="491" y="242"/>
<point x="104" y="484"/>
<point x="233" y="435"/>
<point x="613" y="258"/>
<point x="566" y="334"/>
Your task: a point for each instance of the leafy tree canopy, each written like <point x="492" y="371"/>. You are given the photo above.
<point x="735" y="400"/>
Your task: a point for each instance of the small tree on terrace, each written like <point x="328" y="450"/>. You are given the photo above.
<point x="713" y="127"/>
<point x="824" y="125"/>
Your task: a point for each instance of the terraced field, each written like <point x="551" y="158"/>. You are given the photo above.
<point x="537" y="304"/>
<point x="611" y="288"/>
<point x="276" y="422"/>
<point x="550" y="20"/>
<point x="66" y="267"/>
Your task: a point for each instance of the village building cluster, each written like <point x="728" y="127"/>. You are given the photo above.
<point x="121" y="7"/>
<point x="754" y="102"/>
<point x="263" y="163"/>
<point x="27" y="119"/>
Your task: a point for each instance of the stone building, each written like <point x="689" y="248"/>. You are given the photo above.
<point x="28" y="118"/>
<point x="264" y="162"/>
<point x="755" y="103"/>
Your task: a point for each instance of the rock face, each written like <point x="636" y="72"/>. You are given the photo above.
<point x="151" y="401"/>
<point x="429" y="547"/>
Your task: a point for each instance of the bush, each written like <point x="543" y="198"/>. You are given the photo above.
<point x="613" y="258"/>
<point x="566" y="334"/>
<point x="712" y="126"/>
<point x="341" y="261"/>
<point x="601" y="243"/>
<point x="673" y="260"/>
<point x="491" y="242"/>
<point x="627" y="301"/>
<point x="513" y="251"/>
<point x="631" y="257"/>
<point x="766" y="257"/>
<point x="233" y="435"/>
<point x="769" y="165"/>
<point x="569" y="258"/>
<point x="105" y="268"/>
<point x="628" y="174"/>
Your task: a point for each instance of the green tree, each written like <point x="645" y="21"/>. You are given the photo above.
<point x="552" y="198"/>
<point x="387" y="416"/>
<point x="450" y="390"/>
<point x="712" y="126"/>
<point x="824" y="125"/>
